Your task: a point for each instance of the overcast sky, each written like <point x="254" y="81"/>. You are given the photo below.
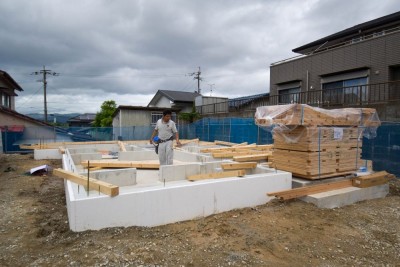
<point x="127" y="50"/>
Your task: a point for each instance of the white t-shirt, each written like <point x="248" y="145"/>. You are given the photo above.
<point x="165" y="130"/>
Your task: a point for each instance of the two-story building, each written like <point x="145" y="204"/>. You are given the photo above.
<point x="359" y="66"/>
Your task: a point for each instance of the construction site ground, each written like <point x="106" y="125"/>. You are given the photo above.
<point x="34" y="231"/>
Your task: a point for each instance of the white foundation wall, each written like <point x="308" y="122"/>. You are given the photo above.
<point x="39" y="154"/>
<point x="178" y="201"/>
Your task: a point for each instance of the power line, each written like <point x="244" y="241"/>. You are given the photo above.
<point x="45" y="72"/>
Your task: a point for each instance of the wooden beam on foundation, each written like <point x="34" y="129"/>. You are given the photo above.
<point x="121" y="146"/>
<point x="231" y="154"/>
<point x="309" y="190"/>
<point x="185" y="142"/>
<point x="58" y="144"/>
<point x="94" y="184"/>
<point x="216" y="175"/>
<point x="241" y="144"/>
<point x="236" y="166"/>
<point x="223" y="149"/>
<point x="374" y="179"/>
<point x="217" y="142"/>
<point x="263" y="156"/>
<point x="120" y="164"/>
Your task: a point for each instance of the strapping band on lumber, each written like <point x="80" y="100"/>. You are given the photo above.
<point x="216" y="175"/>
<point x="120" y="164"/>
<point x="309" y="190"/>
<point x="235" y="166"/>
<point x="94" y="184"/>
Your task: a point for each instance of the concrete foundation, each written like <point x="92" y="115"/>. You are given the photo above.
<point x="120" y="177"/>
<point x="151" y="197"/>
<point x="46" y="154"/>
<point x="346" y="196"/>
<point x="138" y="155"/>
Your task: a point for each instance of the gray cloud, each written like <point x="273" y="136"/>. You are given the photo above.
<point x="127" y="50"/>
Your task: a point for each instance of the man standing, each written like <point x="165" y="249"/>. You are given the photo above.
<point x="167" y="132"/>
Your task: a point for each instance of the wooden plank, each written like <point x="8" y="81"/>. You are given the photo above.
<point x="252" y="157"/>
<point x="374" y="179"/>
<point x="217" y="142"/>
<point x="216" y="175"/>
<point x="185" y="142"/>
<point x="120" y="164"/>
<point x="231" y="154"/>
<point x="121" y="146"/>
<point x="235" y="166"/>
<point x="309" y="190"/>
<point x="58" y="144"/>
<point x="61" y="149"/>
<point x="241" y="144"/>
<point x="94" y="184"/>
<point x="225" y="149"/>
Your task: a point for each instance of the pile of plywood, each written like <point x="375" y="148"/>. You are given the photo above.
<point x="314" y="143"/>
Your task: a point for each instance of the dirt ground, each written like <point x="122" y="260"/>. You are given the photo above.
<point x="34" y="231"/>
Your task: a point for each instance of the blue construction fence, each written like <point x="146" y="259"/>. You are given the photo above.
<point x="384" y="150"/>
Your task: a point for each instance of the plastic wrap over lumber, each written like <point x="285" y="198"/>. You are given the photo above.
<point x="302" y="114"/>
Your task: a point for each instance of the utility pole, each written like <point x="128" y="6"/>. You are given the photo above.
<point x="44" y="72"/>
<point x="211" y="85"/>
<point x="198" y="78"/>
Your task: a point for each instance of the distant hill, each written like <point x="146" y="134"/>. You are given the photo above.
<point x="60" y="118"/>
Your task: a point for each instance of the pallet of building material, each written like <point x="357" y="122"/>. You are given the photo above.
<point x="94" y="184"/>
<point x="216" y="175"/>
<point x="302" y="114"/>
<point x="120" y="164"/>
<point x="374" y="179"/>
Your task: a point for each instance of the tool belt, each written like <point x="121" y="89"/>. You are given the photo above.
<point x="162" y="141"/>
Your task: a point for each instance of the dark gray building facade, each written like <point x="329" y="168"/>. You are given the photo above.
<point x="359" y="66"/>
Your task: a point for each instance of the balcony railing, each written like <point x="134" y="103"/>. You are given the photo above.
<point x="350" y="96"/>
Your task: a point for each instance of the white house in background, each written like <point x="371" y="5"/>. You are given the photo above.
<point x="174" y="99"/>
<point x="8" y="86"/>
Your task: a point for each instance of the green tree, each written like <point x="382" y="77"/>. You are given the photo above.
<point x="104" y="117"/>
<point x="189" y="116"/>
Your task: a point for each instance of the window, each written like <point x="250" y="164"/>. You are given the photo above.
<point x="290" y="95"/>
<point x="349" y="91"/>
<point x="155" y="116"/>
<point x="5" y="100"/>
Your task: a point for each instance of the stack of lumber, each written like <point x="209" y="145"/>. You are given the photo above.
<point x="242" y="152"/>
<point x="315" y="143"/>
<point x="374" y="179"/>
<point x="315" y="153"/>
<point x="301" y="114"/>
